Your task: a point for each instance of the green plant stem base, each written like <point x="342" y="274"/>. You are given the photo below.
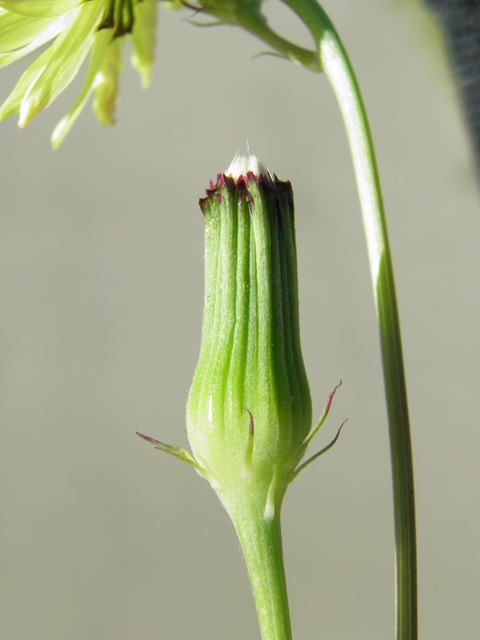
<point x="261" y="540"/>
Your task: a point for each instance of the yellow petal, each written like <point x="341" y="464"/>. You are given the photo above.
<point x="143" y="39"/>
<point x="19" y="43"/>
<point x="66" y="55"/>
<point x="12" y="104"/>
<point x="18" y="31"/>
<point x="39" y="8"/>
<point x="102" y="41"/>
<point x="106" y="83"/>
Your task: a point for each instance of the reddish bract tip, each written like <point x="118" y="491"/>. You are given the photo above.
<point x="330" y="398"/>
<point x="251" y="421"/>
<point x="148" y="439"/>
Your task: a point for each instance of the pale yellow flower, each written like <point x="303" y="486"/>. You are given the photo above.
<point x="76" y="28"/>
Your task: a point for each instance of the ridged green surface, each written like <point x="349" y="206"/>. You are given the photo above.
<point x="250" y="358"/>
<point x="249" y="409"/>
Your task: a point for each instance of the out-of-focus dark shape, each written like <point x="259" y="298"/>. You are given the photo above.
<point x="460" y="21"/>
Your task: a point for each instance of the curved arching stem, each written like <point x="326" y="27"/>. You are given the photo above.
<point x="334" y="61"/>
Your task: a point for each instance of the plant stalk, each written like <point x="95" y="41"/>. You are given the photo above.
<point x="331" y="57"/>
<point x="335" y="63"/>
<point x="261" y="541"/>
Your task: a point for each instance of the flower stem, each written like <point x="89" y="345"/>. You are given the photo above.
<point x="331" y="56"/>
<point x="336" y="65"/>
<point x="261" y="541"/>
<point x="253" y="21"/>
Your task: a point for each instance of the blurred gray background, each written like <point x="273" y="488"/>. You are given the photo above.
<point x="102" y="283"/>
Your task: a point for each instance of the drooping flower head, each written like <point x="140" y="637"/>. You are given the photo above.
<point x="75" y="27"/>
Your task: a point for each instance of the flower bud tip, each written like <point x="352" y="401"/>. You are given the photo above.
<point x="242" y="165"/>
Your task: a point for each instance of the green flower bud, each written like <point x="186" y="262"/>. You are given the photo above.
<point x="249" y="409"/>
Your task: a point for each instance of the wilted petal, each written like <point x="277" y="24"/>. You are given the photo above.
<point x="143" y="39"/>
<point x="106" y="83"/>
<point x="101" y="44"/>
